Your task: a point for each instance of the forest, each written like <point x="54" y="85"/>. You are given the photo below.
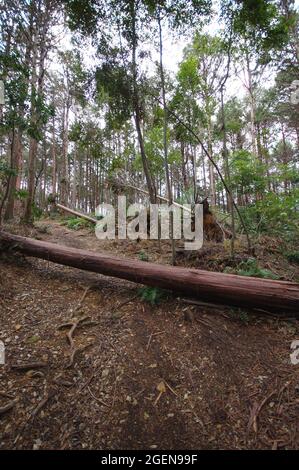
<point x="119" y="343"/>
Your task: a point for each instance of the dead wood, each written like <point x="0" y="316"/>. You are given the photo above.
<point x="226" y="289"/>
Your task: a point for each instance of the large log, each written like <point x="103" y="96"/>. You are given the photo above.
<point x="219" y="288"/>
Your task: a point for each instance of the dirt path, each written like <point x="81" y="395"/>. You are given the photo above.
<point x="224" y="378"/>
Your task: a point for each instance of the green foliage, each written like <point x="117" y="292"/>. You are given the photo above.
<point x="152" y="295"/>
<point x="5" y="170"/>
<point x="293" y="257"/>
<point x="37" y="212"/>
<point x="247" y="173"/>
<point x="76" y="223"/>
<point x="181" y="14"/>
<point x="21" y="194"/>
<point x="5" y="173"/>
<point x="187" y="196"/>
<point x="17" y="112"/>
<point x="83" y="16"/>
<point x="251" y="268"/>
<point x="275" y="214"/>
<point x="114" y="87"/>
<point x="143" y="256"/>
<point x="240" y="315"/>
<point x="260" y="23"/>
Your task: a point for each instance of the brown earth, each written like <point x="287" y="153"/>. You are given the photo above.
<point x="166" y="376"/>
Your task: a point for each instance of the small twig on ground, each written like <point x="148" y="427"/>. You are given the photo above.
<point x="114" y="396"/>
<point x="42" y="403"/>
<point x="7" y="407"/>
<point x="29" y="365"/>
<point x="256" y="408"/>
<point x="96" y="398"/>
<point x="150" y="339"/>
<point x="86" y="383"/>
<point x="60" y="381"/>
<point x="5" y="394"/>
<point x="82" y="298"/>
<point x="125" y="303"/>
<point x="170" y="388"/>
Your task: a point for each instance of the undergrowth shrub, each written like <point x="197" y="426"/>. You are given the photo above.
<point x="293" y="257"/>
<point x="251" y="268"/>
<point x="152" y="295"/>
<point x="275" y="214"/>
<point x="76" y="223"/>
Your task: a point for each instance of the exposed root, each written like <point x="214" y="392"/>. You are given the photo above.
<point x="74" y="325"/>
<point x="74" y="353"/>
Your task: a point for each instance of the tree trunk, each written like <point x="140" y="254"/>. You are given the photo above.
<point x="32" y="143"/>
<point x="229" y="197"/>
<point x="252" y="106"/>
<point x="137" y="109"/>
<point x="64" y="173"/>
<point x="15" y="157"/>
<point x="165" y="145"/>
<point x="211" y="168"/>
<point x="241" y="291"/>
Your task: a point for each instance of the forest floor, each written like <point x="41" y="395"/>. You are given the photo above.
<point x="166" y="376"/>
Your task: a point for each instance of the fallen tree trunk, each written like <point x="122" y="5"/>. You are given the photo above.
<point x="219" y="288"/>
<point x="76" y="213"/>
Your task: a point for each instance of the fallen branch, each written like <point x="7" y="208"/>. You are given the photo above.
<point x="76" y="213"/>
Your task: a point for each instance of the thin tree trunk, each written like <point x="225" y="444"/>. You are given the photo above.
<point x="252" y="106"/>
<point x="65" y="167"/>
<point x="211" y="168"/>
<point x="165" y="145"/>
<point x="33" y="142"/>
<point x="229" y="197"/>
<point x="136" y="107"/>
